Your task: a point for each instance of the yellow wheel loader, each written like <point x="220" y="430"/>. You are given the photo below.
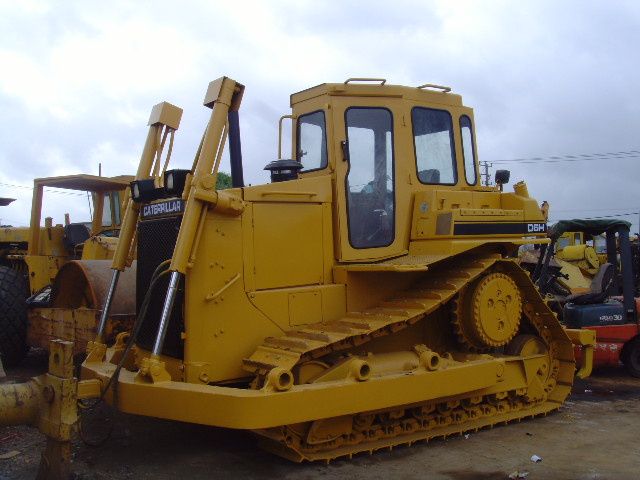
<point x="369" y="296"/>
<point x="30" y="257"/>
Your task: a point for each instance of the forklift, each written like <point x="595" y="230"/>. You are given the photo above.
<point x="610" y="307"/>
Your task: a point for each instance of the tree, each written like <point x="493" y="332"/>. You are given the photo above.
<point x="224" y="181"/>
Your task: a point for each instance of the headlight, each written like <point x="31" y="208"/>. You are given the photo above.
<point x="145" y="190"/>
<point x="174" y="181"/>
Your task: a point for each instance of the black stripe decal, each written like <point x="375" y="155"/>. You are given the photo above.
<point x="485" y="228"/>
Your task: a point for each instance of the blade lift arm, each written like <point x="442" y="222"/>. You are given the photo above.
<point x="163" y="122"/>
<point x="223" y="96"/>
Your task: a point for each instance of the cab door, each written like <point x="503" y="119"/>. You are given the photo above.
<point x="366" y="173"/>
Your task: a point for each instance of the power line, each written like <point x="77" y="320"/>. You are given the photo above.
<point x="48" y="189"/>
<point x="608" y="216"/>
<point x="583" y="157"/>
<point x="16" y="186"/>
<point x="532" y="161"/>
<point x="612" y="209"/>
<point x="614" y="216"/>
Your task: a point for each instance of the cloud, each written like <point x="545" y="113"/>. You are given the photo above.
<point x="545" y="78"/>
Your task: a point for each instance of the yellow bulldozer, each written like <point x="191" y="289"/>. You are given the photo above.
<point x="368" y="296"/>
<point x="31" y="257"/>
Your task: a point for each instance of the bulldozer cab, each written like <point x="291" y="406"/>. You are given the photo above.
<point x="403" y="165"/>
<point x="363" y="127"/>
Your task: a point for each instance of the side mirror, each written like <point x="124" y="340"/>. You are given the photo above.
<point x="502" y="177"/>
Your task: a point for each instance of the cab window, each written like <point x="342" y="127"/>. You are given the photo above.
<point x="111" y="214"/>
<point x="117" y="205"/>
<point x="468" y="151"/>
<point x="106" y="211"/>
<point x="562" y="243"/>
<point x="311" y="141"/>
<point x="370" y="180"/>
<point x="433" y="143"/>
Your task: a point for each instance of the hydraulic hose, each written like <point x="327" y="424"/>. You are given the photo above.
<point x="113" y="379"/>
<point x="157" y="275"/>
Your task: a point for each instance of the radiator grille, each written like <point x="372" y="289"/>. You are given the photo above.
<point x="156" y="240"/>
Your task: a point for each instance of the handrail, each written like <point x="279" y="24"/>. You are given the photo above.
<point x="365" y="79"/>
<point x="215" y="295"/>
<point x="284" y="192"/>
<point x="280" y="133"/>
<point x="437" y="87"/>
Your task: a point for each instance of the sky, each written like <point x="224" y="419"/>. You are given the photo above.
<point x="549" y="81"/>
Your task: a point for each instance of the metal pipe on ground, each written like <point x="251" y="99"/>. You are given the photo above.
<point x="20" y="401"/>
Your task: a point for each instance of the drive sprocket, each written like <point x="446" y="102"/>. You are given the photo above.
<point x="487" y="312"/>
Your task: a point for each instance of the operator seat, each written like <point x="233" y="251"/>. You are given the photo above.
<point x="431" y="175"/>
<point x="599" y="290"/>
<point x="75" y="234"/>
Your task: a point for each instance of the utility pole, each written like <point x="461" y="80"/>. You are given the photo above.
<point x="485" y="172"/>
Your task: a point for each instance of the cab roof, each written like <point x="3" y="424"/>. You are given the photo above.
<point x="91" y="183"/>
<point x="590" y="226"/>
<point x="426" y="93"/>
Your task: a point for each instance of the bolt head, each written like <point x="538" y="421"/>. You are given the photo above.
<point x="49" y="393"/>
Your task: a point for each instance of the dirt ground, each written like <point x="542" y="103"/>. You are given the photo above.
<point x="594" y="436"/>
